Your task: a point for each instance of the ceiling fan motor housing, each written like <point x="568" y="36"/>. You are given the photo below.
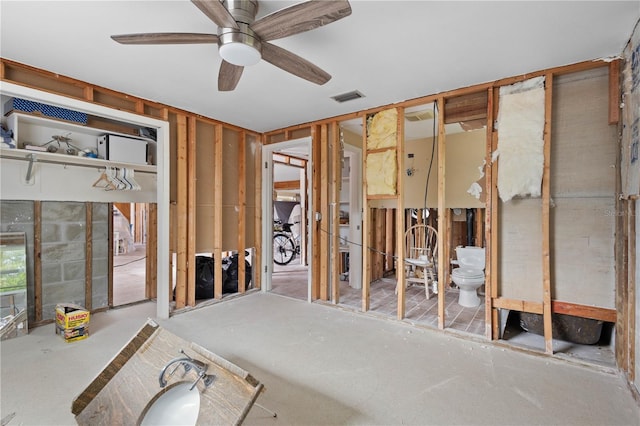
<point x="240" y="46"/>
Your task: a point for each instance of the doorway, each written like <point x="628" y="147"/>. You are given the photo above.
<point x="286" y="211"/>
<point x="129" y="253"/>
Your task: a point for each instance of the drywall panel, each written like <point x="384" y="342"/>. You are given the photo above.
<point x="582" y="253"/>
<point x="465" y="153"/>
<point x="421" y="167"/>
<point x="583" y="144"/>
<point x="520" y="249"/>
<point x="352" y="138"/>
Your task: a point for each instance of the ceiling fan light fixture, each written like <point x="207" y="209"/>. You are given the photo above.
<point x="240" y="54"/>
<point x="239" y="47"/>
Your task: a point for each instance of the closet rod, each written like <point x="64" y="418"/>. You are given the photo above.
<point x="31" y="158"/>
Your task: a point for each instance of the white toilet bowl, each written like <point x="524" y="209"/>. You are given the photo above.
<point x="470" y="275"/>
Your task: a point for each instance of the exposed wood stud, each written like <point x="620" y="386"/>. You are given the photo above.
<point x="315" y="195"/>
<point x="546" y="220"/>
<point x="151" y="276"/>
<point x="366" y="226"/>
<point x="492" y="218"/>
<point x="488" y="225"/>
<point x="217" y="214"/>
<point x="442" y="216"/>
<point x="191" y="211"/>
<point x="257" y="254"/>
<point x="632" y="289"/>
<point x="182" y="183"/>
<point x="614" y="91"/>
<point x="336" y="182"/>
<point x="88" y="258"/>
<point x="242" y="211"/>
<point x="399" y="223"/>
<point x="37" y="260"/>
<point x="324" y="211"/>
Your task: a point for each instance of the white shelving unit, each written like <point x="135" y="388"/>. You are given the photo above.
<point x="42" y="175"/>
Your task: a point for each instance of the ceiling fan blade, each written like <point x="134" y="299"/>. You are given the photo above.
<point x="293" y="64"/>
<point x="215" y="10"/>
<point x="299" y="18"/>
<point x="165" y="38"/>
<point x="229" y="76"/>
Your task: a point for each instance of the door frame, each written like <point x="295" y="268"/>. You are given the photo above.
<point x="267" y="209"/>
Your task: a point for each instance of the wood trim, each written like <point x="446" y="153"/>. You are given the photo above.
<point x="546" y="220"/>
<point x="614" y="91"/>
<point x="37" y="260"/>
<point x="88" y="258"/>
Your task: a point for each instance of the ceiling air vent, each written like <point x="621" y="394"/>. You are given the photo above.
<point x="349" y="96"/>
<point x="419" y="115"/>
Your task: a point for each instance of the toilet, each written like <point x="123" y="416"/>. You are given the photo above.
<point x="469" y="276"/>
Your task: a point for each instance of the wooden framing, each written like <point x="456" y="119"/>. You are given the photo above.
<point x="150" y="288"/>
<point x="467" y="107"/>
<point x="242" y="211"/>
<point x="191" y="212"/>
<point x="316" y="228"/>
<point x="399" y="214"/>
<point x="366" y="227"/>
<point x="88" y="258"/>
<point x="323" y="208"/>
<point x="217" y="213"/>
<point x="182" y="198"/>
<point x="336" y="184"/>
<point x="443" y="263"/>
<point x="37" y="260"/>
<point x="546" y="221"/>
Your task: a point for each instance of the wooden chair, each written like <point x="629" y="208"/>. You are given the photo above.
<point x="421" y="250"/>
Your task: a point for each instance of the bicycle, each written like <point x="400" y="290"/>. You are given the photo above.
<point x="285" y="246"/>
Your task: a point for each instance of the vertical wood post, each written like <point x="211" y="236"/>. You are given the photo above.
<point x="399" y="224"/>
<point x="37" y="260"/>
<point x="336" y="185"/>
<point x="324" y="212"/>
<point x="217" y="212"/>
<point x="242" y="211"/>
<point x="366" y="225"/>
<point x="181" y="210"/>
<point x="191" y="212"/>
<point x="442" y="216"/>
<point x="151" y="276"/>
<point x="546" y="220"/>
<point x="257" y="254"/>
<point x="88" y="259"/>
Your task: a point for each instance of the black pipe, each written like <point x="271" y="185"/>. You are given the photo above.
<point x="471" y="215"/>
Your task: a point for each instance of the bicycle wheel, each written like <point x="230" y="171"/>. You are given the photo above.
<point x="283" y="249"/>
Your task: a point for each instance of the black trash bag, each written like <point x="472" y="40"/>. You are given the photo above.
<point x="230" y="274"/>
<point x="204" y="277"/>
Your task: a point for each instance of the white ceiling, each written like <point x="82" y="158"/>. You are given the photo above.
<point x="388" y="50"/>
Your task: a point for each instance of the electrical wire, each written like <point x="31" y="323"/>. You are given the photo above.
<point x="433" y="148"/>
<point x="130" y="262"/>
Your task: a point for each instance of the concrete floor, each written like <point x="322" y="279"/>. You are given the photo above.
<point x="323" y="365"/>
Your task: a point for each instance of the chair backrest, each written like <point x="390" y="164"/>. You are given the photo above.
<point x="421" y="240"/>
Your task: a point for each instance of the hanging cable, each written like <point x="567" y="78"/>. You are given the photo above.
<point x="433" y="148"/>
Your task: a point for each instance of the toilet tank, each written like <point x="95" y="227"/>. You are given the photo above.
<point x="470" y="257"/>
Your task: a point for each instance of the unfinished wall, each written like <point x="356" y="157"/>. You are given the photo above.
<point x="582" y="181"/>
<point x="204" y="193"/>
<point x="230" y="181"/>
<point x="583" y="185"/>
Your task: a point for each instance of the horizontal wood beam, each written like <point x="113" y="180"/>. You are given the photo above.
<point x="468" y="107"/>
<point x="286" y="184"/>
<point x="584" y="311"/>
<point x="518" y="305"/>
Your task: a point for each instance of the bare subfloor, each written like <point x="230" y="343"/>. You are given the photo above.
<point x="322" y="365"/>
<point x="129" y="276"/>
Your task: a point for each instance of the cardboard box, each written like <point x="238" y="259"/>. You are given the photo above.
<point x="72" y="322"/>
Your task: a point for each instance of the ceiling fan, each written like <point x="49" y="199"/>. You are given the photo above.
<point x="243" y="41"/>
